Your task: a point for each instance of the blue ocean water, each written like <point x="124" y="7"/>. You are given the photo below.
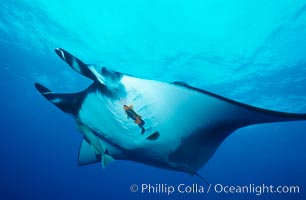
<point x="250" y="51"/>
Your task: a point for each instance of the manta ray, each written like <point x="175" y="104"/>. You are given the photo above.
<point x="172" y="126"/>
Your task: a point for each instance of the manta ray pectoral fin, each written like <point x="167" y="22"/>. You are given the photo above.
<point x="240" y="114"/>
<point x="69" y="103"/>
<point x="75" y="63"/>
<point x="248" y="115"/>
<point x="87" y="154"/>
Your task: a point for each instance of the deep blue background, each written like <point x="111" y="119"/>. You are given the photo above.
<point x="251" y="52"/>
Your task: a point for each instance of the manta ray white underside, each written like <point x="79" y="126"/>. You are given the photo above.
<point x="169" y="125"/>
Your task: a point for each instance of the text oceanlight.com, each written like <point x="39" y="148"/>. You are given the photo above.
<point x="168" y="189"/>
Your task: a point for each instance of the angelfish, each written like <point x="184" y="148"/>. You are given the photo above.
<point x="174" y="141"/>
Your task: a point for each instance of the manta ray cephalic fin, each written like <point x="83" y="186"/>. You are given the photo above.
<point x="75" y="63"/>
<point x="67" y="102"/>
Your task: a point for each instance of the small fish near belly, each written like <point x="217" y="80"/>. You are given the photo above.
<point x="133" y="115"/>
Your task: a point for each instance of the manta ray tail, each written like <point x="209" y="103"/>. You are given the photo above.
<point x="75" y="63"/>
<point x="208" y="184"/>
<point x="69" y="103"/>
